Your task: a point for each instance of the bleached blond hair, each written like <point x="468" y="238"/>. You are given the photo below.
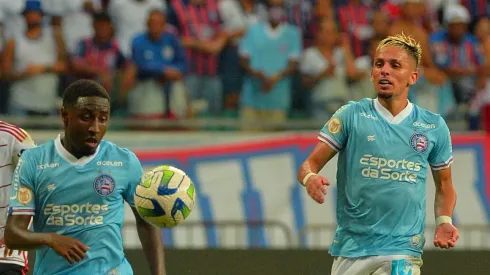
<point x="407" y="43"/>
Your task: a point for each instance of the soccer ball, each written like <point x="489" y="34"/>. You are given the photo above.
<point x="165" y="196"/>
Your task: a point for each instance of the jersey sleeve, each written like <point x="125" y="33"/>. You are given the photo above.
<point x="135" y="173"/>
<point x="20" y="145"/>
<point x="441" y="156"/>
<point x="22" y="196"/>
<point x="336" y="131"/>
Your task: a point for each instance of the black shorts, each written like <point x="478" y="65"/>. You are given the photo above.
<point x="12" y="269"/>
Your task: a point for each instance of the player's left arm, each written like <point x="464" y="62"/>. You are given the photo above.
<point x="440" y="160"/>
<point x="149" y="235"/>
<point x="150" y="238"/>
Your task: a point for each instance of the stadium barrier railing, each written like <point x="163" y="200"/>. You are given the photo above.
<point x="280" y="235"/>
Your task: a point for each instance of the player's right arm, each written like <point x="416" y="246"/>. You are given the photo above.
<point x="21" y="211"/>
<point x="333" y="138"/>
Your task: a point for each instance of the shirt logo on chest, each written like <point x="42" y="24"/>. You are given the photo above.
<point x="419" y="143"/>
<point x="104" y="185"/>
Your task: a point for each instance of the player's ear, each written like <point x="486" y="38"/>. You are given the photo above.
<point x="64" y="115"/>
<point x="413" y="78"/>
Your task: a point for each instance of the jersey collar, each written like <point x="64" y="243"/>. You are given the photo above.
<point x="388" y="116"/>
<point x="60" y="149"/>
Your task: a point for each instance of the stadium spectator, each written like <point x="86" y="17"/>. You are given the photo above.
<point x="301" y="13"/>
<point x="459" y="54"/>
<point x="432" y="90"/>
<point x="380" y="22"/>
<point x="363" y="87"/>
<point x="3" y="85"/>
<point x="354" y="20"/>
<point x="199" y="25"/>
<point x="477" y="8"/>
<point x="98" y="57"/>
<point x="304" y="14"/>
<point x="480" y="27"/>
<point x="325" y="68"/>
<point x="391" y="9"/>
<point x="129" y="17"/>
<point x="324" y="8"/>
<point x="13" y="22"/>
<point x="33" y="60"/>
<point x="237" y="16"/>
<point x="159" y="64"/>
<point x="269" y="54"/>
<point x="75" y="19"/>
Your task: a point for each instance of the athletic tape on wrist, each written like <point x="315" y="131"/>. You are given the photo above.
<point x="307" y="177"/>
<point x="443" y="219"/>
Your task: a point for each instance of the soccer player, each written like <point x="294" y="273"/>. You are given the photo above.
<point x="75" y="187"/>
<point x="13" y="141"/>
<point x="385" y="147"/>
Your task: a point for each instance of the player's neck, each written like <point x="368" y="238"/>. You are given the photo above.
<point x="394" y="105"/>
<point x="70" y="148"/>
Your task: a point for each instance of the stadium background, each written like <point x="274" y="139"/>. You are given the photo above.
<point x="251" y="215"/>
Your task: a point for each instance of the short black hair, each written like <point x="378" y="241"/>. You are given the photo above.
<point x="82" y="88"/>
<point x="101" y="16"/>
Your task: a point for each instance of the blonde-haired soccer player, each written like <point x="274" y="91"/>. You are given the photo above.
<point x="13" y="141"/>
<point x="385" y="147"/>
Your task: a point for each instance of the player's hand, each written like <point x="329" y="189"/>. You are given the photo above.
<point x="59" y="67"/>
<point x="260" y="76"/>
<point x="172" y="74"/>
<point x="7" y="252"/>
<point x="446" y="236"/>
<point x="271" y="82"/>
<point x="316" y="188"/>
<point x="32" y="69"/>
<point x="69" y="248"/>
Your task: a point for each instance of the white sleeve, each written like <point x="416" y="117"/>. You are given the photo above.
<point x="311" y="64"/>
<point x="160" y="5"/>
<point x="22" y="141"/>
<point x="12" y="7"/>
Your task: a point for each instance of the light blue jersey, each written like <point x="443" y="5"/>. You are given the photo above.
<point x="269" y="51"/>
<point x="82" y="199"/>
<point x="381" y="176"/>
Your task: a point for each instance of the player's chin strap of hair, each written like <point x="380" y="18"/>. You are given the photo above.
<point x="443" y="219"/>
<point x="305" y="180"/>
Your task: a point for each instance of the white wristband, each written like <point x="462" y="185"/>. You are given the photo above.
<point x="443" y="219"/>
<point x="307" y="177"/>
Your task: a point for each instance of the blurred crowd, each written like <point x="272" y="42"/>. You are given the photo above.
<point x="256" y="60"/>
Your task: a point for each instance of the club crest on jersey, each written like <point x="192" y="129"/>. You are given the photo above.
<point x="334" y="125"/>
<point x="104" y="185"/>
<point x="415" y="241"/>
<point x="419" y="143"/>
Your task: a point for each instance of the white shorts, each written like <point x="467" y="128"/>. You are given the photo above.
<point x="377" y="265"/>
